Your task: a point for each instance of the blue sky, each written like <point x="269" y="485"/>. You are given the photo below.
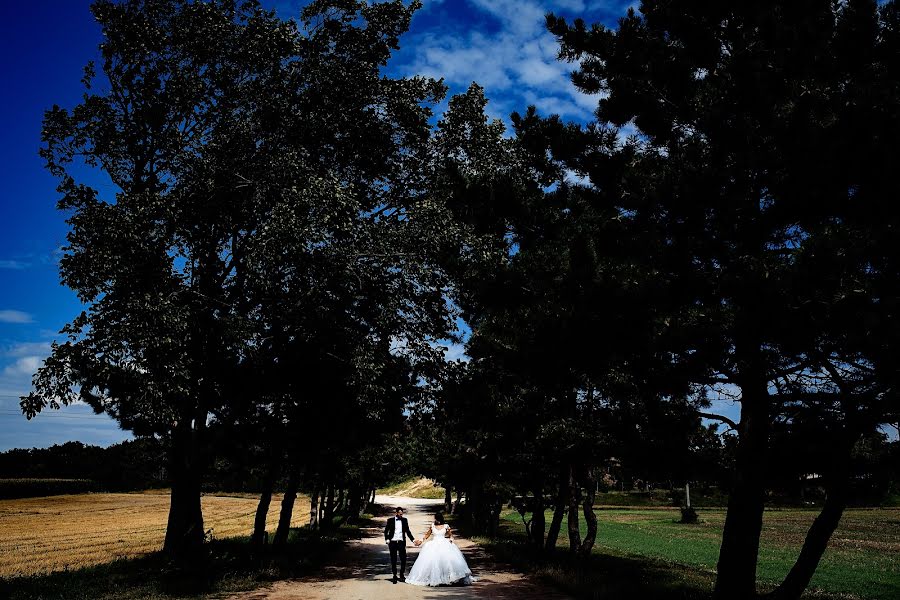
<point x="501" y="44"/>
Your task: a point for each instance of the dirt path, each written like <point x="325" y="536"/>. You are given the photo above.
<point x="362" y="571"/>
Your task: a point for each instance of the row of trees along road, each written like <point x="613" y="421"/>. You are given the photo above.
<point x="742" y="240"/>
<point x="270" y="242"/>
<point x="289" y="236"/>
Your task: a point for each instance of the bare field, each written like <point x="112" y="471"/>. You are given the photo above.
<point x="58" y="533"/>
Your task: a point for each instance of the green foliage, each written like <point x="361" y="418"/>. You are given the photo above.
<point x="759" y="161"/>
<point x="268" y="261"/>
<point x="688" y="515"/>
<point x="155" y="262"/>
<point x="129" y="465"/>
<point x="33" y="487"/>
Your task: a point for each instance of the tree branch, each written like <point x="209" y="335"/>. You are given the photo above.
<point x="721" y="418"/>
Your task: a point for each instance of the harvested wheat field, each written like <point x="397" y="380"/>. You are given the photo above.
<point x="42" y="535"/>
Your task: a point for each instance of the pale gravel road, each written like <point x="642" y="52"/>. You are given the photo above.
<point x="362" y="571"/>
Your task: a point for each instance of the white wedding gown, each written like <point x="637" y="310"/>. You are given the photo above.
<point x="440" y="562"/>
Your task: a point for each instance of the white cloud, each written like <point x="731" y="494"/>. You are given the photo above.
<point x="26" y="348"/>
<point x="454" y="352"/>
<point x="453" y="59"/>
<point x="607" y="6"/>
<point x="17" y="265"/>
<point x="15" y="316"/>
<point x="515" y="61"/>
<point x="577" y="6"/>
<point x="15" y="378"/>
<point x="24" y="366"/>
<point x="553" y="104"/>
<point x="536" y="72"/>
<point x="27" y="260"/>
<point x="15" y="374"/>
<point x="521" y="16"/>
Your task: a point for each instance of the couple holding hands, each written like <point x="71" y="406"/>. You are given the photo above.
<point x="440" y="562"/>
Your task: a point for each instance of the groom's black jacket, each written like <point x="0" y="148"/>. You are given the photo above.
<point x="389" y="529"/>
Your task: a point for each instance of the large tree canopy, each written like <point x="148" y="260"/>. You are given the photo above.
<point x="269" y="204"/>
<point x="763" y="134"/>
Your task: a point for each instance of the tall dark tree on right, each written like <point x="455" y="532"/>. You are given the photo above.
<point x="765" y="135"/>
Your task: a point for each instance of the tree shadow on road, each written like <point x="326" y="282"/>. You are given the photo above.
<point x="603" y="576"/>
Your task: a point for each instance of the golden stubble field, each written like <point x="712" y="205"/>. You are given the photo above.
<point x="56" y="533"/>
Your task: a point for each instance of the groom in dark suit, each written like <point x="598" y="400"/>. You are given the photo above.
<point x="395" y="531"/>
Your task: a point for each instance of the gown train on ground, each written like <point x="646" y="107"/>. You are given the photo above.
<point x="440" y="562"/>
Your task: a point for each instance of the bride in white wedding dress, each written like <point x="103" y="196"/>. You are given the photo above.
<point x="440" y="561"/>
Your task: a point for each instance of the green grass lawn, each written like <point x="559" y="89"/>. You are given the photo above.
<point x="863" y="558"/>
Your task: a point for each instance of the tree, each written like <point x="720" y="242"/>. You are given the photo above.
<point x="344" y="278"/>
<point x="560" y="326"/>
<point x="268" y="209"/>
<point x="176" y="129"/>
<point x="477" y="173"/>
<point x="756" y="121"/>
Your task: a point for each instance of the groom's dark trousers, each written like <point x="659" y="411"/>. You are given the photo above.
<point x="399" y="546"/>
<point x="395" y="549"/>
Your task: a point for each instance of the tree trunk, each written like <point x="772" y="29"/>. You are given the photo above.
<point x="473" y="507"/>
<point x="538" y="521"/>
<point x="797" y="580"/>
<point x="184" y="530"/>
<point x="448" y="501"/>
<point x="314" y="509"/>
<point x="574" y="497"/>
<point x="341" y="510"/>
<point x="458" y="501"/>
<point x="496" y="510"/>
<point x="738" y="555"/>
<point x="328" y="514"/>
<point x="556" y="521"/>
<point x="287" y="512"/>
<point x="354" y="503"/>
<point x="363" y="501"/>
<point x="258" y="538"/>
<point x="590" y="518"/>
